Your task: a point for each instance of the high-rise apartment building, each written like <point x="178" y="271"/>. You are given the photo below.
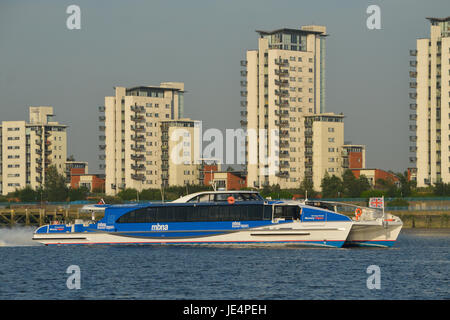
<point x="284" y="82"/>
<point x="29" y="148"/>
<point x="178" y="152"/>
<point x="430" y="92"/>
<point x="135" y="148"/>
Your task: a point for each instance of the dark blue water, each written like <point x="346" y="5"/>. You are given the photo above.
<point x="417" y="267"/>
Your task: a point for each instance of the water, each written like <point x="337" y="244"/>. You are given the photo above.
<point x="417" y="267"/>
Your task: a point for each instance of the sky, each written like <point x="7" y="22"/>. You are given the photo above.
<point x="201" y="43"/>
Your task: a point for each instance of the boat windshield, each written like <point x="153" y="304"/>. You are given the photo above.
<point x="218" y="197"/>
<point x="348" y="209"/>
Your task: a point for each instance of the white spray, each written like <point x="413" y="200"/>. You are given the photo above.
<point x="17" y="236"/>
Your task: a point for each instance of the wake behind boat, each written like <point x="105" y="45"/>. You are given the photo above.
<point x="215" y="217"/>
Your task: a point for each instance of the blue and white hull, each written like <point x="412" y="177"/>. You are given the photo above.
<point x="332" y="234"/>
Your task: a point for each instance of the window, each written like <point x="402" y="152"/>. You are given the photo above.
<point x="200" y="212"/>
<point x="330" y="129"/>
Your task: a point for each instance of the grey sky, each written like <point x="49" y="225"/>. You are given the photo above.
<point x="200" y="43"/>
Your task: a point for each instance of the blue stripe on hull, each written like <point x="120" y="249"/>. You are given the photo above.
<point x="336" y="244"/>
<point x="369" y="243"/>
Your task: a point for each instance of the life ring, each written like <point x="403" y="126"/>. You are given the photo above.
<point x="230" y="200"/>
<point x="358" y="213"/>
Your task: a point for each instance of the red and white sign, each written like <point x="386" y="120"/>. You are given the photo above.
<point x="376" y="202"/>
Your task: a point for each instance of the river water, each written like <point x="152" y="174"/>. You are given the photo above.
<point x="417" y="267"/>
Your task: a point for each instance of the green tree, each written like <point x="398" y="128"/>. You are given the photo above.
<point x="307" y="188"/>
<point x="78" y="194"/>
<point x="27" y="194"/>
<point x="128" y="194"/>
<point x="332" y="187"/>
<point x="55" y="188"/>
<point x="441" y="189"/>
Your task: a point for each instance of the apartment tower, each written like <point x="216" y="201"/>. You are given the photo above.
<point x="430" y="92"/>
<point x="135" y="147"/>
<point x="284" y="80"/>
<point x="29" y="148"/>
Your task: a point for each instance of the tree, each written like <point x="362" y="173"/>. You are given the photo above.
<point x="128" y="194"/>
<point x="27" y="194"/>
<point x="55" y="188"/>
<point x="441" y="189"/>
<point x="307" y="188"/>
<point x="332" y="187"/>
<point x="78" y="194"/>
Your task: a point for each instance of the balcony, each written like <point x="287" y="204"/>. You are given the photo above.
<point x="283" y="114"/>
<point x="137" y="157"/>
<point x="413" y="127"/>
<point x="413" y="138"/>
<point x="244" y="113"/>
<point x="413" y="74"/>
<point x="282" y="174"/>
<point x="138" y="128"/>
<point x="284" y="144"/>
<point x="282" y="72"/>
<point x="413" y="95"/>
<point x="412" y="159"/>
<point x="101" y="128"/>
<point x="243" y="73"/>
<point x="244" y="83"/>
<point x="284" y="133"/>
<point x="137" y="118"/>
<point x="413" y="106"/>
<point x="282" y="103"/>
<point x="284" y="164"/>
<point x="138" y="109"/>
<point x="138" y="148"/>
<point x="139" y="138"/>
<point x="282" y="83"/>
<point x="413" y="84"/>
<point x="283" y="154"/>
<point x="282" y="62"/>
<point x="308" y="133"/>
<point x="101" y="118"/>
<point x="244" y="104"/>
<point x="139" y="167"/>
<point x="282" y="93"/>
<point x="413" y="63"/>
<point x="138" y="177"/>
<point x="413" y="117"/>
<point x="243" y="63"/>
<point x="102" y="147"/>
<point x="244" y="123"/>
<point x="413" y="53"/>
<point x="282" y="123"/>
<point x="412" y="149"/>
<point x="244" y="93"/>
<point x="101" y="109"/>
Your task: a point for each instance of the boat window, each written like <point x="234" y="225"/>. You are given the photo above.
<point x="203" y="198"/>
<point x="221" y="196"/>
<point x="201" y="212"/>
<point x="287" y="212"/>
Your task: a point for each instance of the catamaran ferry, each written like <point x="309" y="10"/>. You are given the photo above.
<point x="372" y="227"/>
<point x="214" y="217"/>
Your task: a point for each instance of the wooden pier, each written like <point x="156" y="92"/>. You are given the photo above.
<point x="40" y="216"/>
